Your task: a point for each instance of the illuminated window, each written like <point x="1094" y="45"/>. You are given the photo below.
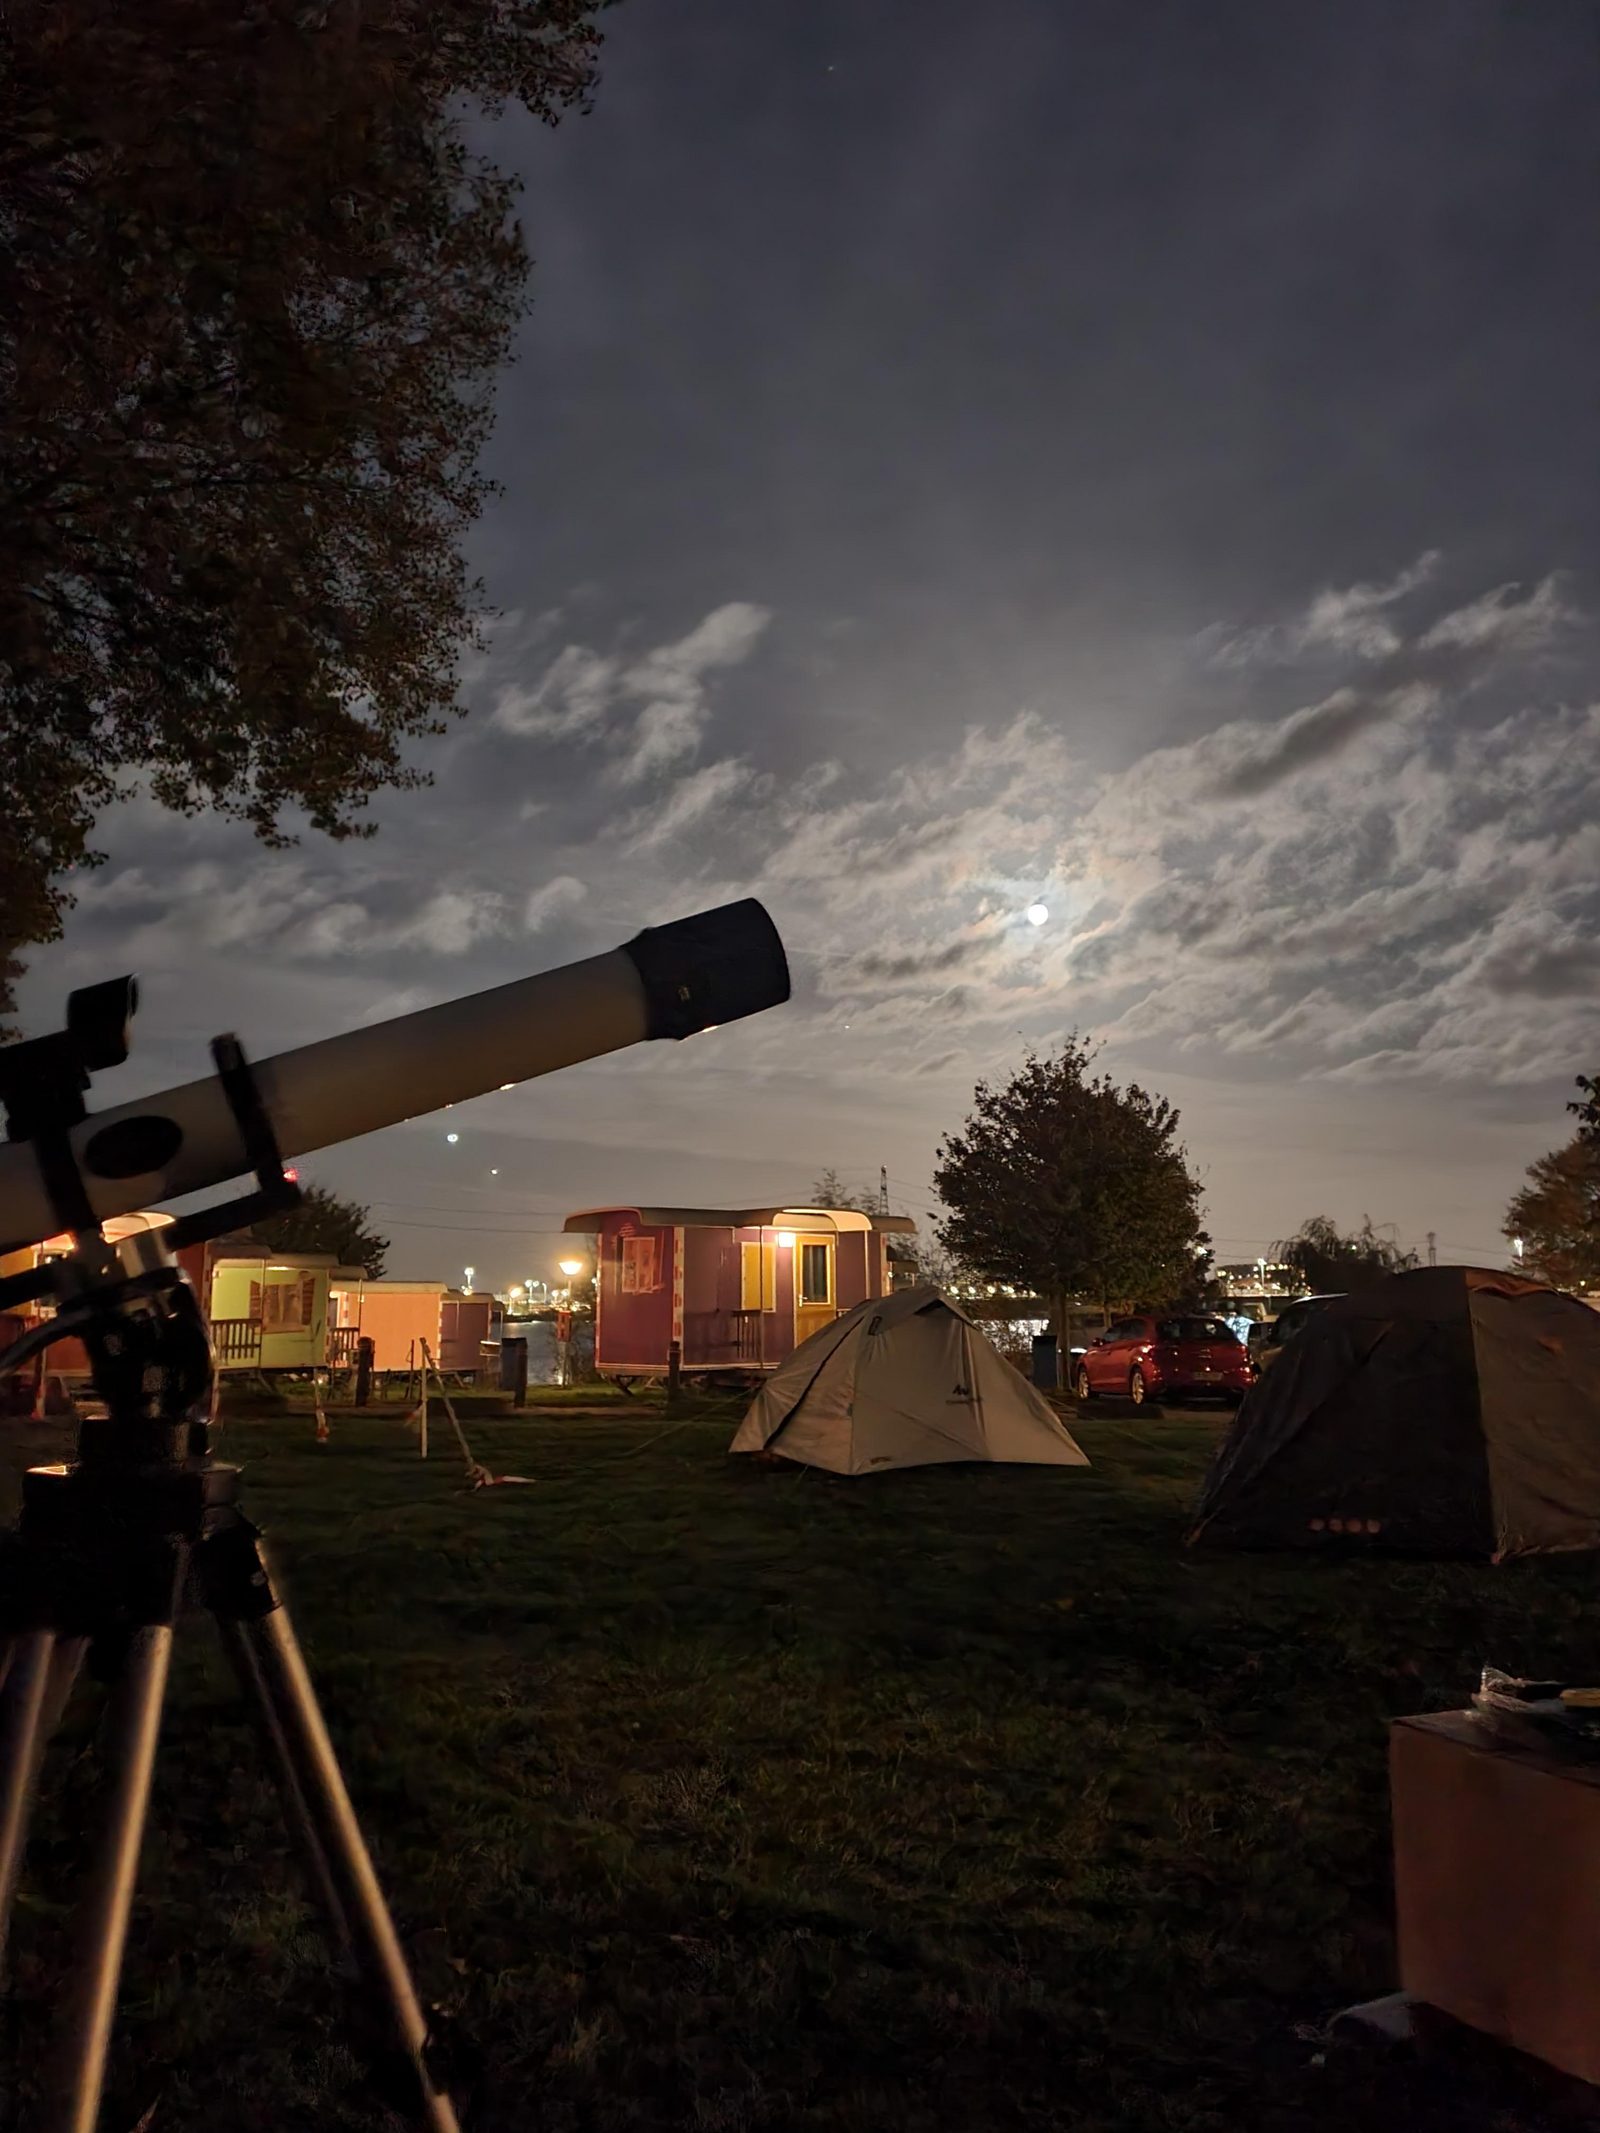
<point x="641" y="1268"/>
<point x="758" y="1277"/>
<point x="816" y="1274"/>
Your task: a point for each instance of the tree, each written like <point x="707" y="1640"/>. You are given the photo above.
<point x="256" y="288"/>
<point x="1587" y="1112"/>
<point x="1557" y="1216"/>
<point x="934" y="1264"/>
<point x="325" y="1223"/>
<point x="1065" y="1184"/>
<point x="830" y="1190"/>
<point x="1325" y="1258"/>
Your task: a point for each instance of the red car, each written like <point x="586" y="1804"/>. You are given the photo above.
<point x="1148" y="1358"/>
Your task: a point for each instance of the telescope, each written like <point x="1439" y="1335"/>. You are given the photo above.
<point x="668" y="982"/>
<point x="111" y="1548"/>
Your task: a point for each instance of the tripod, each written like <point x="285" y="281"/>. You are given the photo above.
<point x="110" y="1550"/>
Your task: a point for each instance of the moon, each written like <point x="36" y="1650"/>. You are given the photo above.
<point x="1036" y="914"/>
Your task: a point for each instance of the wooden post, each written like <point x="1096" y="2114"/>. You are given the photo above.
<point x="519" y="1389"/>
<point x="674" y="1372"/>
<point x="364" y="1355"/>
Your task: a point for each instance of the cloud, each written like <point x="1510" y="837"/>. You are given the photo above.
<point x="1314" y="734"/>
<point x="451" y="921"/>
<point x="1352" y="619"/>
<point x="562" y="894"/>
<point x="1543" y="969"/>
<point x="650" y="712"/>
<point x="922" y="963"/>
<point x="701" y="794"/>
<point x="1397" y="880"/>
<point x="671" y="684"/>
<point x="1502" y="620"/>
<point x="572" y="697"/>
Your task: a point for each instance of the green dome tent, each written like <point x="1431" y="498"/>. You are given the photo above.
<point x="902" y="1380"/>
<point x="1446" y="1411"/>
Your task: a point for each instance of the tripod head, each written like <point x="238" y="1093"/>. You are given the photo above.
<point x="128" y="1302"/>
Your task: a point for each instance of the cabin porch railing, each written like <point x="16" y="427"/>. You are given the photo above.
<point x="722" y="1337"/>
<point x="236" y="1340"/>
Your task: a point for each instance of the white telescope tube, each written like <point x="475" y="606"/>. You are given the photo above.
<point x="667" y="982"/>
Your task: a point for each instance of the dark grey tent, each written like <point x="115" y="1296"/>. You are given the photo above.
<point x="1448" y="1411"/>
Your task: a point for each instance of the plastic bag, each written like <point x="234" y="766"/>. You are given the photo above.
<point x="1541" y="1714"/>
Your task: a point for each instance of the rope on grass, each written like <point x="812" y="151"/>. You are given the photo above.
<point x="478" y="1475"/>
<point x="721" y="1407"/>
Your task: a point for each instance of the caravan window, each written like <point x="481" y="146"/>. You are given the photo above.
<point x="640" y="1265"/>
<point x="816" y="1274"/>
<point x="288" y="1305"/>
<point x="758" y="1277"/>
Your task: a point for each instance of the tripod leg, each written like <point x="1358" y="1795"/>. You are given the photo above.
<point x="374" y="1942"/>
<point x="296" y="1813"/>
<point x="72" y="2100"/>
<point x="22" y="1738"/>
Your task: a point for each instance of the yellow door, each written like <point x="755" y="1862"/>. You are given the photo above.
<point x="814" y="1293"/>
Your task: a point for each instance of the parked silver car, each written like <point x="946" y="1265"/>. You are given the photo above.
<point x="1270" y="1337"/>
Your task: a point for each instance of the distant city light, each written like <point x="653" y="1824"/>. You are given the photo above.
<point x="1037" y="914"/>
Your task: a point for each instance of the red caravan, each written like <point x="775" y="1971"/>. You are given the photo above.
<point x="738" y="1288"/>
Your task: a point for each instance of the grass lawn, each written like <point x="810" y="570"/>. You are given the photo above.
<point x="722" y="1796"/>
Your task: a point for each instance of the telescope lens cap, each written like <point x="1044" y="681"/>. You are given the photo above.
<point x="715" y="967"/>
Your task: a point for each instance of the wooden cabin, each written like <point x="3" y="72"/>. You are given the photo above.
<point x="398" y="1316"/>
<point x="270" y="1310"/>
<point x="737" y="1288"/>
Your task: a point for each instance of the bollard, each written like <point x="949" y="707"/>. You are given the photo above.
<point x="364" y="1352"/>
<point x="1046" y="1362"/>
<point x="674" y="1371"/>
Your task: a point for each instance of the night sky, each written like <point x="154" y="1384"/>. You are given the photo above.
<point x="1140" y="459"/>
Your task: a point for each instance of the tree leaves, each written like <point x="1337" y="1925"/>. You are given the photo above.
<point x="1063" y="1183"/>
<point x="1325" y="1258"/>
<point x="324" y="1223"/>
<point x="257" y="288"/>
<point x="1557" y="1216"/>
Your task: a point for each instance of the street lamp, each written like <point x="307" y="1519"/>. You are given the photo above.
<point x="469" y="1272"/>
<point x="1516" y="1246"/>
<point x="572" y="1268"/>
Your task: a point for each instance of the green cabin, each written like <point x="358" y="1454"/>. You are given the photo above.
<point x="270" y="1311"/>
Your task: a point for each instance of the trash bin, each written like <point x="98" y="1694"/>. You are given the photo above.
<point x="514" y="1363"/>
<point x="1046" y="1362"/>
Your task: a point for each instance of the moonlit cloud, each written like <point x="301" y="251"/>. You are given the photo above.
<point x="1351" y="619"/>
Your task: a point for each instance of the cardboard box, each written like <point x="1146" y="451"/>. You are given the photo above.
<point x="1497" y="1886"/>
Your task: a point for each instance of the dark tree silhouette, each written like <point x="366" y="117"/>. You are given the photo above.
<point x="1065" y="1184"/>
<point x="257" y="286"/>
